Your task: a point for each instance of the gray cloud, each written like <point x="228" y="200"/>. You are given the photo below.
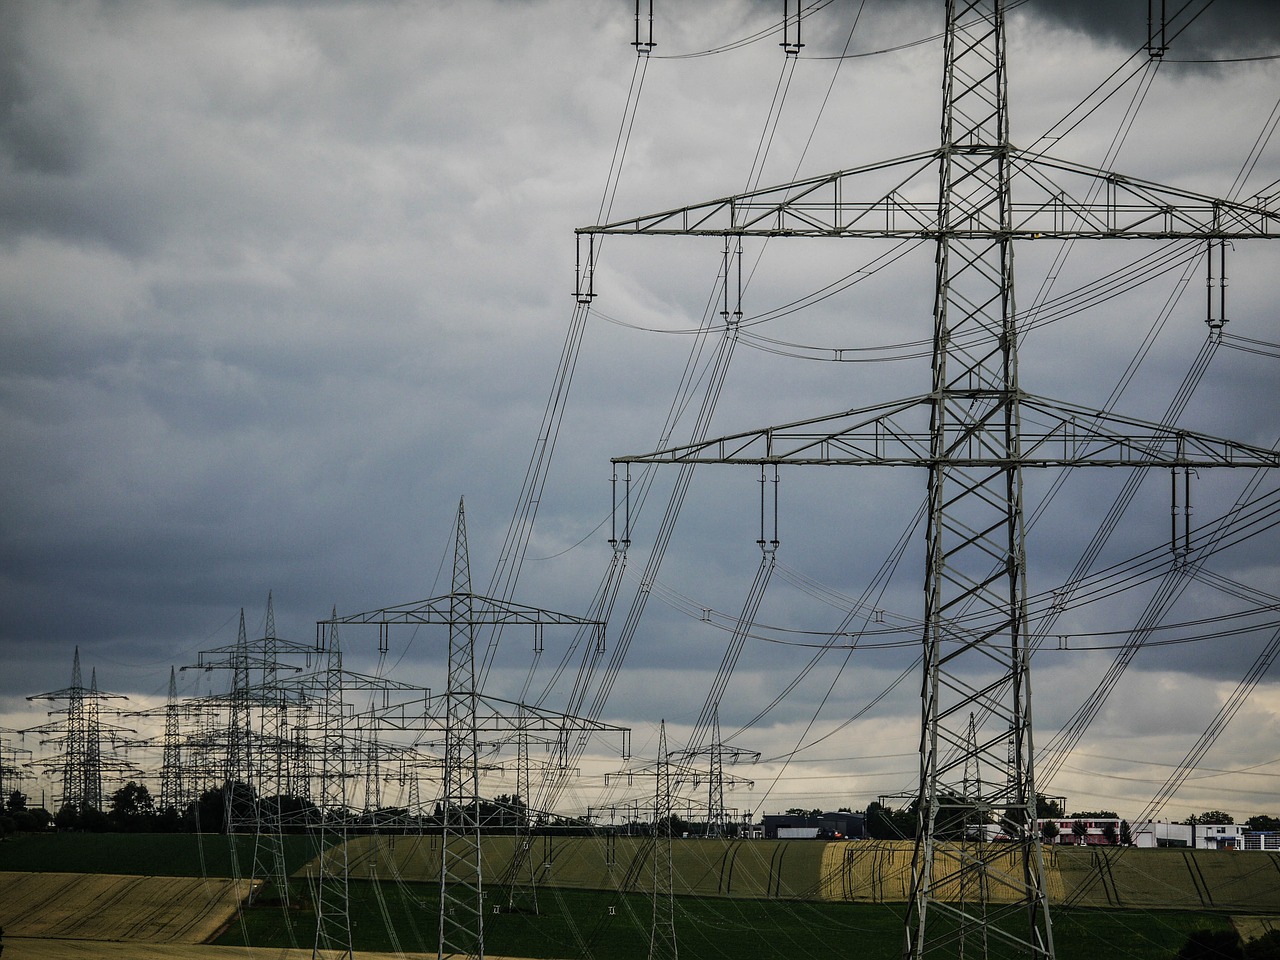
<point x="281" y="281"/>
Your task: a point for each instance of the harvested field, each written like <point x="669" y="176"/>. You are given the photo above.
<point x="78" y="906"/>
<point x="20" y="949"/>
<point x="1180" y="879"/>
<point x="757" y="869"/>
<point x="849" y="871"/>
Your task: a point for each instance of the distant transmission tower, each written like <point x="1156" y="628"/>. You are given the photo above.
<point x="332" y="897"/>
<point x="172" y="795"/>
<point x="968" y="432"/>
<point x="464" y="715"/>
<point x="662" y="931"/>
<point x="79" y="730"/>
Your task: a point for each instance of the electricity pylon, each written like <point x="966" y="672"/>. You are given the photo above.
<point x="172" y="795"/>
<point x="79" y="729"/>
<point x="465" y="715"/>
<point x="662" y="930"/>
<point x="333" y="905"/>
<point x="717" y="752"/>
<point x="968" y="432"/>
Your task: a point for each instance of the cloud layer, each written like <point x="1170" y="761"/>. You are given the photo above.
<point x="281" y="282"/>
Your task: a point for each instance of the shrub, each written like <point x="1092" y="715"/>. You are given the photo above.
<point x="1265" y="947"/>
<point x="1211" y="945"/>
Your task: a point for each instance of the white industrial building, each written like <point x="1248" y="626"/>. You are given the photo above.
<point x="1162" y="833"/>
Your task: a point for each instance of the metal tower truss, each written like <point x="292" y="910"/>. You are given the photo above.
<point x="465" y="716"/>
<point x="717" y="752"/>
<point x="332" y="900"/>
<point x="1056" y="199"/>
<point x="973" y="432"/>
<point x="900" y="434"/>
<point x="172" y="795"/>
<point x="13" y="768"/>
<point x="274" y="773"/>
<point x="80" y="730"/>
<point x="250" y="729"/>
<point x="662" y="931"/>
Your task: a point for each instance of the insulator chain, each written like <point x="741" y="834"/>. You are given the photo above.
<point x="1156" y="23"/>
<point x="644" y="30"/>
<point x="1216" y="306"/>
<point x="1180" y="540"/>
<point x="584" y="272"/>
<point x="732" y="269"/>
<point x="625" y="540"/>
<point x="791" y="29"/>
<point x="766" y="515"/>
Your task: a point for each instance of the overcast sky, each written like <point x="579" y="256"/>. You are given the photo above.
<point x="280" y="282"/>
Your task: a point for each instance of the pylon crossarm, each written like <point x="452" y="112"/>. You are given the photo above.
<point x="510" y="715"/>
<point x="1094" y="204"/>
<point x="1054" y="434"/>
<point x="869" y="432"/>
<point x="1125" y="206"/>
<point x="481" y="610"/>
<point x="814" y="206"/>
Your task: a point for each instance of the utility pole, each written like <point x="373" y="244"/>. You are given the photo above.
<point x="967" y="432"/>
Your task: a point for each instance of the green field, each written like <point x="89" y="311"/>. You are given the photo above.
<point x="750" y="899"/>
<point x="577" y="923"/>
<point x="141" y="854"/>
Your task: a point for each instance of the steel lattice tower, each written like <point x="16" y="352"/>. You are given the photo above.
<point x="463" y="714"/>
<point x="172" y="795"/>
<point x="461" y="876"/>
<point x="333" y="909"/>
<point x="238" y="769"/>
<point x="80" y="733"/>
<point x="975" y="561"/>
<point x="662" y="932"/>
<point x="968" y="433"/>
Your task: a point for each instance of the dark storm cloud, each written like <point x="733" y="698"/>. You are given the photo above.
<point x="282" y="280"/>
<point x="42" y="130"/>
<point x="1194" y="28"/>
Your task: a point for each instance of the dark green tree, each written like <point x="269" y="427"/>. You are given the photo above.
<point x="1211" y="945"/>
<point x="1049" y="830"/>
<point x="1265" y="947"/>
<point x="1109" y="833"/>
<point x="1260" y="821"/>
<point x="885" y="823"/>
<point x="16" y="802"/>
<point x="1217" y="817"/>
<point x="68" y="817"/>
<point x="1079" y="830"/>
<point x="132" y="808"/>
<point x="1126" y="834"/>
<point x="1048" y="809"/>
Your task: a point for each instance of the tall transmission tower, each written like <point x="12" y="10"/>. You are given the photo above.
<point x="716" y="752"/>
<point x="172" y="794"/>
<point x="333" y="905"/>
<point x="969" y="433"/>
<point x="467" y="717"/>
<point x="662" y="930"/>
